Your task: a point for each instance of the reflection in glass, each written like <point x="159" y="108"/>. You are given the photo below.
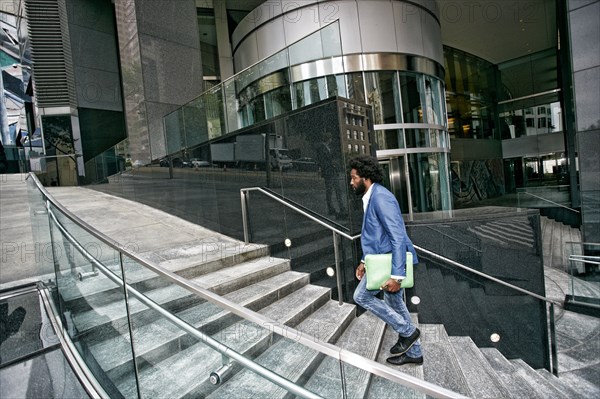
<point x="389" y="139"/>
<point x="416" y="138"/>
<point x="93" y="308"/>
<point x="411" y="92"/>
<point x="429" y="182"/>
<point x="174" y="131"/>
<point x="277" y="102"/>
<point x="383" y="96"/>
<point x="194" y="119"/>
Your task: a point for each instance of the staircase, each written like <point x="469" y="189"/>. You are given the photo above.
<point x="173" y="364"/>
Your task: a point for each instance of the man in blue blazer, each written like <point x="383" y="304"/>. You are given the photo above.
<point x="383" y="232"/>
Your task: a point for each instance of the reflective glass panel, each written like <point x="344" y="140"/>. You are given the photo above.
<point x="411" y="92"/>
<point x="92" y="302"/>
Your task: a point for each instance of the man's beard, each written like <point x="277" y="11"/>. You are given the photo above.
<point x="360" y="188"/>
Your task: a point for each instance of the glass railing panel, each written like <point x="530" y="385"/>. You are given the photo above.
<point x="41" y="252"/>
<point x="583" y="266"/>
<point x="284" y="356"/>
<point x="544" y="196"/>
<point x="504" y="245"/>
<point x="171" y="358"/>
<point x="214" y="110"/>
<point x="231" y="105"/>
<point x="194" y="118"/>
<point x="274" y="63"/>
<point x="92" y="305"/>
<point x="174" y="131"/>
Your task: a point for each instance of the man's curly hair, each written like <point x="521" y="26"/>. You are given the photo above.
<point x="367" y="167"/>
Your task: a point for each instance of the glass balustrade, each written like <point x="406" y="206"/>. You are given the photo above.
<point x="583" y="265"/>
<point x="145" y="332"/>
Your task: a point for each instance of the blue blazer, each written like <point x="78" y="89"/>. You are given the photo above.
<point x="383" y="230"/>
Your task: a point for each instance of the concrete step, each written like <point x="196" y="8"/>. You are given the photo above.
<point x="363" y="337"/>
<point x="514" y="383"/>
<point x="97" y="291"/>
<point x="561" y="385"/>
<point x="105" y="321"/>
<point x="288" y="358"/>
<point x="582" y="383"/>
<point x="441" y="366"/>
<point x="160" y="339"/>
<point x="544" y="388"/>
<point x="383" y="388"/>
<point x="186" y="373"/>
<point x="480" y="376"/>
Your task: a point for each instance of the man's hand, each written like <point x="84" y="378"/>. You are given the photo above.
<point x="391" y="286"/>
<point x="360" y="271"/>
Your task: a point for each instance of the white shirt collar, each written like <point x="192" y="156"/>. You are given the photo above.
<point x="367" y="197"/>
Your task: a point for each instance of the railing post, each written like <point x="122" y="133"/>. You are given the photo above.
<point x="243" y="195"/>
<point x="338" y="273"/>
<point x="553" y="341"/>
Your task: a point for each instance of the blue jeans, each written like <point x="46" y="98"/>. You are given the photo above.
<point x="392" y="310"/>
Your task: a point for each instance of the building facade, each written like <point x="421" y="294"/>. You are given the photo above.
<point x="469" y="101"/>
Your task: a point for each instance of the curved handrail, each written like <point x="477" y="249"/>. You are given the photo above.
<point x="342" y="355"/>
<point x="213" y="343"/>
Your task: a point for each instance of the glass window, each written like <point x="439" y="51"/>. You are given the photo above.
<point x="348" y="135"/>
<point x="356" y="89"/>
<point x="433" y="100"/>
<point x="278" y="101"/>
<point x="382" y="94"/>
<point x="541" y="122"/>
<point x="417" y="138"/>
<point x="410" y="88"/>
<point x="389" y="139"/>
<point x="310" y="91"/>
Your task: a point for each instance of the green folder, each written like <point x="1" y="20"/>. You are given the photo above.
<point x="379" y="269"/>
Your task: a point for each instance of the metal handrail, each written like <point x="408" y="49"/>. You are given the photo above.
<point x="188" y="328"/>
<point x="335" y="231"/>
<point x="291" y="206"/>
<point x="551" y="302"/>
<point x="541" y="188"/>
<point x="418" y="248"/>
<point x="585" y="259"/>
<point x="552" y="202"/>
<point x="342" y="355"/>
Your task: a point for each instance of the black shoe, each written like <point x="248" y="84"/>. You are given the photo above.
<point x="404" y="343"/>
<point x="404" y="359"/>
